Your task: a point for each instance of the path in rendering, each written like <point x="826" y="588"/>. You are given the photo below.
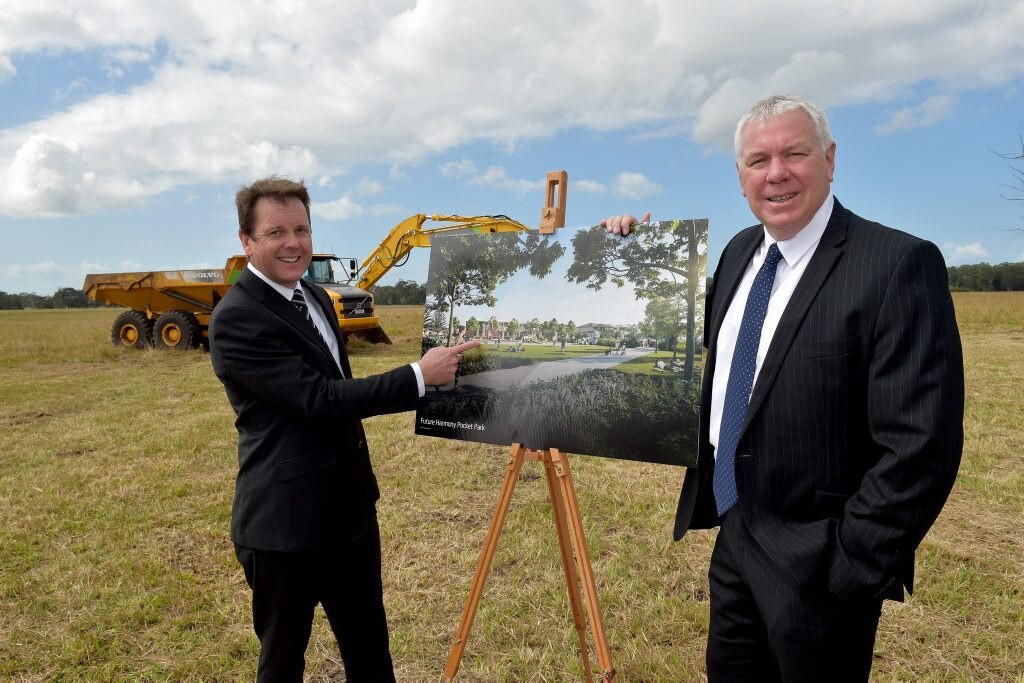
<point x="498" y="380"/>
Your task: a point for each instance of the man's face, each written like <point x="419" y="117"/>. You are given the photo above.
<point x="281" y="245"/>
<point x="784" y="172"/>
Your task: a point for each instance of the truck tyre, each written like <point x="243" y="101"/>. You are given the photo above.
<point x="176" y="330"/>
<point x="132" y="329"/>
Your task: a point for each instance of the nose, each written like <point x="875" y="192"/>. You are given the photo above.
<point x="777" y="170"/>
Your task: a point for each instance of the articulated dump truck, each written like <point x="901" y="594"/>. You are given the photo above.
<point x="170" y="309"/>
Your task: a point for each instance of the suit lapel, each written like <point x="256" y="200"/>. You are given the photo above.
<point x="822" y="261"/>
<point x="285" y="310"/>
<point x="327" y="308"/>
<point x="728" y="279"/>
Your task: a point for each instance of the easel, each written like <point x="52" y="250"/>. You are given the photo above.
<point x="576" y="568"/>
<point x="564" y="506"/>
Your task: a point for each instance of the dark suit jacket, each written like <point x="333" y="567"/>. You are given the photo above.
<point x="854" y="431"/>
<point x="304" y="477"/>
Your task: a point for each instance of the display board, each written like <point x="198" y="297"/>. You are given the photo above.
<point x="590" y="342"/>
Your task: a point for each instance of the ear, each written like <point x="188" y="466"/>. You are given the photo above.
<point x="739" y="179"/>
<point x="830" y="159"/>
<point x="246" y="241"/>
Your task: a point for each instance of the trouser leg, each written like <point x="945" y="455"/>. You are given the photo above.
<point x="282" y="611"/>
<point x="353" y="598"/>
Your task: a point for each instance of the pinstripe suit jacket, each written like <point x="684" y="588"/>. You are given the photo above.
<point x="854" y="431"/>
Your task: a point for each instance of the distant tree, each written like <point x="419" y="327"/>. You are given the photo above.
<point x="663" y="316"/>
<point x="9" y="302"/>
<point x="30" y="300"/>
<point x="70" y="297"/>
<point x="513" y="328"/>
<point x="472" y="326"/>
<point x="550" y="329"/>
<point x="402" y="293"/>
<point x="982" y="277"/>
<point x="434" y="318"/>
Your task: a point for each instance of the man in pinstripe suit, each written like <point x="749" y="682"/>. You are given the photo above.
<point x="852" y="433"/>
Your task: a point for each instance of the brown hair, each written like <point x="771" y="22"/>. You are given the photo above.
<point x="278" y="189"/>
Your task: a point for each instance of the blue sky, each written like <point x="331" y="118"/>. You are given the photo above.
<point x="125" y="132"/>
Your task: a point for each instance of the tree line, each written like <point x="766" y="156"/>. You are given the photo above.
<point x="403" y="293"/>
<point x="983" y="277"/>
<point x="65" y="297"/>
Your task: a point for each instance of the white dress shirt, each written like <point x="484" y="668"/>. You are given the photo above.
<point x="796" y="254"/>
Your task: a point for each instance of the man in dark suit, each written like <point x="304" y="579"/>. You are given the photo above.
<point x="831" y="406"/>
<point x="304" y="520"/>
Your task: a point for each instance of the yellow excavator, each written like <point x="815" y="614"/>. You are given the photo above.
<point x="171" y="309"/>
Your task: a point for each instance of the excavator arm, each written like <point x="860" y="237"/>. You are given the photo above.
<point x="394" y="249"/>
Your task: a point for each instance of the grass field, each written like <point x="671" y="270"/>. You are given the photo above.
<point x="116" y="477"/>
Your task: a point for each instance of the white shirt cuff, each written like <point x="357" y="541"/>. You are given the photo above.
<point x="420" y="386"/>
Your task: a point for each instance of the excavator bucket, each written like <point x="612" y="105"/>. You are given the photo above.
<point x="373" y="335"/>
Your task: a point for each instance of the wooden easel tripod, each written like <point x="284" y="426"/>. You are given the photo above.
<point x="576" y="568"/>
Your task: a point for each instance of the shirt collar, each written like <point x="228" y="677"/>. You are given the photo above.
<point x="286" y="292"/>
<point x="797" y="246"/>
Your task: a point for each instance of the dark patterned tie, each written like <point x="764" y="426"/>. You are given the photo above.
<point x="741" y="381"/>
<point x="299" y="301"/>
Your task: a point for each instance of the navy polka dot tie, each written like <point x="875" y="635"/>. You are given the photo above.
<point x="741" y="381"/>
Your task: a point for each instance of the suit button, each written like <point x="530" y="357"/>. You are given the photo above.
<point x="361" y="444"/>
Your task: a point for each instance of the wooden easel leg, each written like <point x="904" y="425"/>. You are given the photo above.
<point x="568" y="561"/>
<point x="572" y="509"/>
<point x="516" y="456"/>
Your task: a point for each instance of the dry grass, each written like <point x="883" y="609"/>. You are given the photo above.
<point x="115" y="488"/>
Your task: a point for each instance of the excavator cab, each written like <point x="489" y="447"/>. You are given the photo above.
<point x="324" y="269"/>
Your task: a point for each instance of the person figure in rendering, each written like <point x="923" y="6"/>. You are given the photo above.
<point x="831" y="413"/>
<point x="304" y="519"/>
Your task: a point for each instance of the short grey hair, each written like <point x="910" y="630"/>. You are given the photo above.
<point x="776" y="105"/>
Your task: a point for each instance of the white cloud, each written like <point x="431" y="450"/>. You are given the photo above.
<point x="18" y="271"/>
<point x="236" y="90"/>
<point x="7" y="69"/>
<point x="930" y="111"/>
<point x="634" y="186"/>
<point x="338" y="209"/>
<point x="458" y="169"/>
<point x="48" y="177"/>
<point x="496" y="176"/>
<point x="366" y="187"/>
<point x="587" y="186"/>
<point x="958" y="253"/>
<point x="344" y="207"/>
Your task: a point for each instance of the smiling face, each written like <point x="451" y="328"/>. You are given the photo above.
<point x="281" y="244"/>
<point x="784" y="172"/>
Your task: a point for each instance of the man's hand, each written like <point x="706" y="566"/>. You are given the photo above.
<point x="621" y="225"/>
<point x="439" y="364"/>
